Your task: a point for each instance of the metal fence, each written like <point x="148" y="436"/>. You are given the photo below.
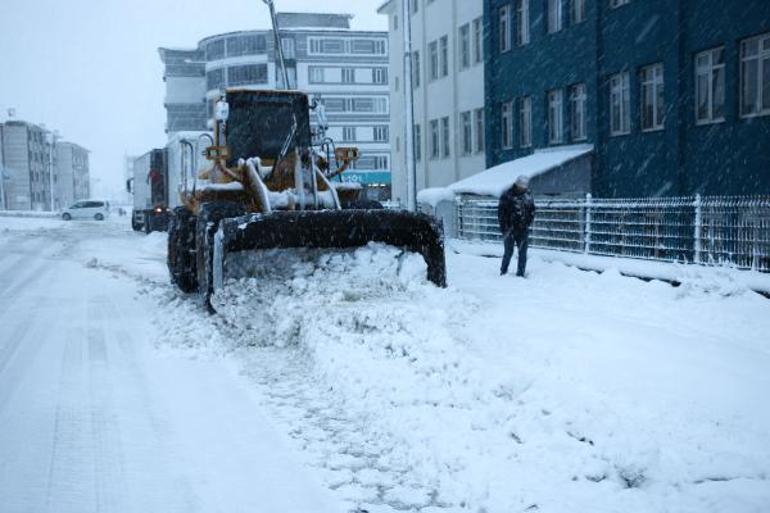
<point x="731" y="231"/>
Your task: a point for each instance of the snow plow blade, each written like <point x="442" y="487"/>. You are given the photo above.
<point x="333" y="229"/>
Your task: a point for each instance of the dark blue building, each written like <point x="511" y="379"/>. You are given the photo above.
<point x="674" y="95"/>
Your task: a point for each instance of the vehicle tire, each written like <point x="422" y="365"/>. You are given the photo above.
<point x="206" y="226"/>
<point x="99" y="217"/>
<point x="147" y="223"/>
<point x="135" y="224"/>
<point x="66" y="217"/>
<point x="181" y="250"/>
<point x="362" y="204"/>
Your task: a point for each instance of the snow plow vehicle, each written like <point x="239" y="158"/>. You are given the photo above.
<point x="267" y="187"/>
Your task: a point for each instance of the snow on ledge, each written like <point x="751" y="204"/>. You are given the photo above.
<point x="435" y="195"/>
<point x="495" y="180"/>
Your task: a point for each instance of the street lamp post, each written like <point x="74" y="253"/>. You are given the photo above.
<point x="411" y="167"/>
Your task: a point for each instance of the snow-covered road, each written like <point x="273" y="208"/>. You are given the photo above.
<point x="567" y="392"/>
<point x="94" y="418"/>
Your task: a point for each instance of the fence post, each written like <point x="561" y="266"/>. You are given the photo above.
<point x="697" y="242"/>
<point x="587" y="233"/>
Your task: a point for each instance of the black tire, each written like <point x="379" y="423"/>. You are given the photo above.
<point x="147" y="223"/>
<point x="362" y="204"/>
<point x="135" y="224"/>
<point x="66" y="217"/>
<point x="181" y="250"/>
<point x="99" y="217"/>
<point x="207" y="224"/>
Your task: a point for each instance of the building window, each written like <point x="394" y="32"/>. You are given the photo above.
<point x="504" y="28"/>
<point x="415" y="4"/>
<point x="577" y="103"/>
<point x="620" y="104"/>
<point x="247" y="74"/>
<point x="381" y="134"/>
<point x="653" y="103"/>
<point x="215" y="79"/>
<point x="348" y="75"/>
<point x="380" y="75"/>
<point x="554" y="16"/>
<point x="433" y="55"/>
<point x="467" y="131"/>
<point x="710" y="86"/>
<point x="444" y="49"/>
<point x="555" y="116"/>
<point x="416" y="70"/>
<point x="417" y="143"/>
<point x="522" y="21"/>
<point x="578" y="11"/>
<point x="525" y="122"/>
<point x="465" y="46"/>
<point x="317" y="75"/>
<point x="349" y="133"/>
<point x="434" y="140"/>
<point x="478" y="40"/>
<point x="506" y="125"/>
<point x="617" y="3"/>
<point x="445" y="149"/>
<point x="755" y="76"/>
<point x="395" y="22"/>
<point x="478" y="115"/>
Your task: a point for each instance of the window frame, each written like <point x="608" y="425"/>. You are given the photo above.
<point x="577" y="11"/>
<point x="434" y="149"/>
<point x="762" y="58"/>
<point x="709" y="71"/>
<point x="478" y="40"/>
<point x="578" y="107"/>
<point x="480" y="139"/>
<point x="446" y="138"/>
<point x="555" y="102"/>
<point x="466" y="126"/>
<point x="555" y="16"/>
<point x="504" y="28"/>
<point x="433" y="56"/>
<point x="650" y="78"/>
<point x="506" y="125"/>
<point x="525" y="122"/>
<point x="523" y="32"/>
<point x="623" y="92"/>
<point x="464" y="44"/>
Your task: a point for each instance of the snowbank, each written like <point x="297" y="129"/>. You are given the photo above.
<point x="29" y="213"/>
<point x="568" y="391"/>
<point x="494" y="181"/>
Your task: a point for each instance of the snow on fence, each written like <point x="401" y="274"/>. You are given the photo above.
<point x="704" y="230"/>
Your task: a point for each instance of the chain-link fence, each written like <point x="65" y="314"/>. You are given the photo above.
<point x="706" y="230"/>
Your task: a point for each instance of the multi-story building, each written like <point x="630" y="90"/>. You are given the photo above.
<point x="72" y="171"/>
<point x="346" y="69"/>
<point x="28" y="155"/>
<point x="448" y="91"/>
<point x="27" y="165"/>
<point x="674" y="95"/>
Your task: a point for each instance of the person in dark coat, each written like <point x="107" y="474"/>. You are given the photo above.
<point x="515" y="212"/>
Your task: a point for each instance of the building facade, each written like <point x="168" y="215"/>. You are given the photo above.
<point x="72" y="166"/>
<point x="28" y="155"/>
<point x="448" y="91"/>
<point x="673" y="95"/>
<point x="346" y="69"/>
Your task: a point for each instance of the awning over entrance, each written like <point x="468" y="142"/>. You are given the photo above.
<point x="551" y="172"/>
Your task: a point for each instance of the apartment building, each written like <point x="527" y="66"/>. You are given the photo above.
<point x="448" y="90"/>
<point x="28" y="155"/>
<point x="345" y="69"/>
<point x="674" y="96"/>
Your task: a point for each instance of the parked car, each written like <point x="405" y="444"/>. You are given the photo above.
<point x="87" y="209"/>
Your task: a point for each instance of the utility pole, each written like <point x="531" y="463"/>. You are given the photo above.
<point x="411" y="165"/>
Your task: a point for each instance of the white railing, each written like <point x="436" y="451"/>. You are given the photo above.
<point x="704" y="230"/>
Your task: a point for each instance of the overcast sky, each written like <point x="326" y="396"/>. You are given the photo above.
<point x="90" y="68"/>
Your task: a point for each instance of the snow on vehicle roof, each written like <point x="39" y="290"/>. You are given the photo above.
<point x="495" y="180"/>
